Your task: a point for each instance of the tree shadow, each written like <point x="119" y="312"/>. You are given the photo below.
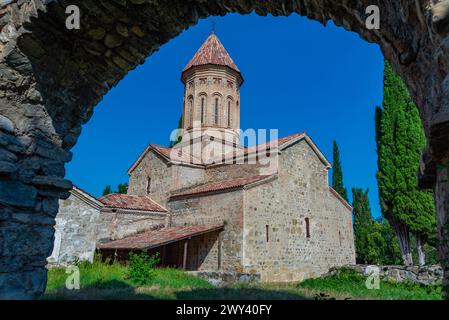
<point x="101" y="290"/>
<point x="226" y="293"/>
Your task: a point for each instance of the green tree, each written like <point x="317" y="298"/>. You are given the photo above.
<point x="363" y="223"/>
<point x="384" y="239"/>
<point x="122" y="188"/>
<point x="178" y="137"/>
<point x="400" y="139"/>
<point x="107" y="190"/>
<point x="337" y="173"/>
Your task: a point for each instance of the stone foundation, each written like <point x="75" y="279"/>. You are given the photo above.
<point x="220" y="279"/>
<point x="428" y="275"/>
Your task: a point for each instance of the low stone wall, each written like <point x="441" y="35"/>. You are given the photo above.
<point x="427" y="275"/>
<point x="220" y="279"/>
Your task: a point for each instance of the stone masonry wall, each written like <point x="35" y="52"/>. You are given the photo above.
<point x="427" y="275"/>
<point x="301" y="191"/>
<point x="80" y="226"/>
<point x="156" y="168"/>
<point x="164" y="177"/>
<point x="76" y="232"/>
<point x="118" y="225"/>
<point x="215" y="209"/>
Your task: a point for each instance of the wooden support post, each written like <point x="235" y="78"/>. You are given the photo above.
<point x="164" y="252"/>
<point x="184" y="260"/>
<point x="219" y="251"/>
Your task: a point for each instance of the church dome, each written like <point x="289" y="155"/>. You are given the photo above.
<point x="212" y="52"/>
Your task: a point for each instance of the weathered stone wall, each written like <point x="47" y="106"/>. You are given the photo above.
<point x="427" y="275"/>
<point x="154" y="167"/>
<point x="119" y="225"/>
<point x="300" y="191"/>
<point x="203" y="252"/>
<point x="231" y="171"/>
<point x="164" y="177"/>
<point x="215" y="209"/>
<point x="52" y="77"/>
<point x="81" y="223"/>
<point x="186" y="176"/>
<point x="76" y="232"/>
<point x="223" y="278"/>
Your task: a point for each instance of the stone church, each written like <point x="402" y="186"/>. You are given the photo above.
<point x="211" y="204"/>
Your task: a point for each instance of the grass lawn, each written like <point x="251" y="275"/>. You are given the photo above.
<point x="101" y="281"/>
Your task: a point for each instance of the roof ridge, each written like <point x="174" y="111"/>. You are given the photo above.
<point x="210" y="187"/>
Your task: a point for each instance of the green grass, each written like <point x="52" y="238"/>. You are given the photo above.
<point x="110" y="281"/>
<point x="349" y="284"/>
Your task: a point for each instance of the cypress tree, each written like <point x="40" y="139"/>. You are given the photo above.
<point x="179" y="134"/>
<point x="107" y="190"/>
<point x="363" y="224"/>
<point x="400" y="139"/>
<point x="337" y="173"/>
<point x="122" y="188"/>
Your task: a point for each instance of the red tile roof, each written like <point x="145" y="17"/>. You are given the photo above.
<point x="130" y="202"/>
<point x="221" y="186"/>
<point x="157" y="238"/>
<point x="212" y="52"/>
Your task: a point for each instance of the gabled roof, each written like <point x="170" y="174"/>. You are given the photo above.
<point x="157" y="238"/>
<point x="212" y="52"/>
<point x="165" y="153"/>
<point x="131" y="202"/>
<point x="85" y="197"/>
<point x="221" y="186"/>
<point x="281" y="144"/>
<point x="277" y="145"/>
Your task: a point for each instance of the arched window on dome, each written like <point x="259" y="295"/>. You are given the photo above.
<point x="202" y="105"/>
<point x="229" y="111"/>
<point x="190" y="111"/>
<point x="216" y="111"/>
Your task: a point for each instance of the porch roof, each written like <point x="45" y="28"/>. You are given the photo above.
<point x="157" y="238"/>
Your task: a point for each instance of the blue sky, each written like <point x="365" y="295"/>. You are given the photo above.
<point x="299" y="76"/>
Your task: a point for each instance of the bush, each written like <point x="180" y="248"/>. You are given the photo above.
<point x="141" y="268"/>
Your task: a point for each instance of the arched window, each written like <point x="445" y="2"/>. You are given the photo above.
<point x="216" y="111"/>
<point x="202" y="109"/>
<point x="190" y="112"/>
<point x="307" y="227"/>
<point x="229" y="113"/>
<point x="148" y="185"/>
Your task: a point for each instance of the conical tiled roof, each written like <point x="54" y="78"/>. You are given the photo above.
<point x="212" y="52"/>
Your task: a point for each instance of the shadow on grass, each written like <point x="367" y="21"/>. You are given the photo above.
<point x="101" y="290"/>
<point x="238" y="294"/>
<point x="121" y="290"/>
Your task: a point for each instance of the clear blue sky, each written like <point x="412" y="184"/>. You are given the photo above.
<point x="299" y="76"/>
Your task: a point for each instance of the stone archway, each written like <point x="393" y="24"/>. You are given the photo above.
<point x="52" y="77"/>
